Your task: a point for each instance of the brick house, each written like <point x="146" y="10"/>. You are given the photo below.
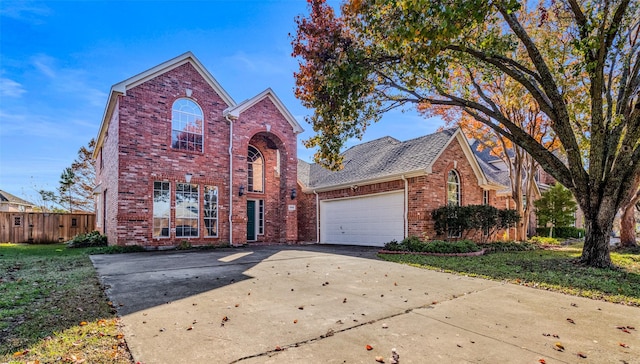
<point x="388" y="189"/>
<point x="179" y="161"/>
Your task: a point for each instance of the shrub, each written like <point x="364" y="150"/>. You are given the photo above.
<point x="92" y="239"/>
<point x="117" y="249"/>
<point x="564" y="232"/>
<point x="508" y="246"/>
<point x="473" y="218"/>
<point x="544" y="240"/>
<point x="413" y="244"/>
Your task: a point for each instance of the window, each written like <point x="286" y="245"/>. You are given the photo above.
<point x="260" y="217"/>
<point x="74" y="222"/>
<point x="17" y="221"/>
<point x="186" y="126"/>
<point x="485" y="197"/>
<point x="211" y="211"/>
<point x="161" y="210"/>
<point x="187" y="210"/>
<point x="453" y="188"/>
<point x="255" y="170"/>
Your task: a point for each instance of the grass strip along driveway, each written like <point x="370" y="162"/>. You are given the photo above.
<point x="52" y="308"/>
<point x="554" y="269"/>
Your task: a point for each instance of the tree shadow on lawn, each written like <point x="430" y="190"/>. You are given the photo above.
<point x="546" y="269"/>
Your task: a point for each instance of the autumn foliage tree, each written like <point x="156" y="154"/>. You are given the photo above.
<point x="379" y="55"/>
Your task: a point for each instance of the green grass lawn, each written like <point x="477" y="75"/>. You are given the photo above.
<point x="52" y="308"/>
<point x="555" y="270"/>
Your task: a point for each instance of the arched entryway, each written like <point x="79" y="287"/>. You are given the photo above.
<point x="269" y="206"/>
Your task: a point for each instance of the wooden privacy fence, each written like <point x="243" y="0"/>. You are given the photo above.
<point x="41" y="227"/>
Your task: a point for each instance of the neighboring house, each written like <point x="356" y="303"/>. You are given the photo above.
<point x="11" y="203"/>
<point x="179" y="161"/>
<point x="388" y="189"/>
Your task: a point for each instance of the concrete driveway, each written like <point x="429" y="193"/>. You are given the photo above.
<point x="333" y="304"/>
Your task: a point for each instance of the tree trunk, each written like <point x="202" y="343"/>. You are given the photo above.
<point x="596" y="243"/>
<point x="628" y="224"/>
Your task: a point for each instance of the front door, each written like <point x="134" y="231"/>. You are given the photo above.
<point x="251" y="220"/>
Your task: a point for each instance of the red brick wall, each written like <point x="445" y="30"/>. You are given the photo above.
<point x="250" y="128"/>
<point x="138" y="152"/>
<point x="107" y="178"/>
<point x="307" y="214"/>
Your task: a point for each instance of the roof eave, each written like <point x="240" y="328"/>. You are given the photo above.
<point x="364" y="182"/>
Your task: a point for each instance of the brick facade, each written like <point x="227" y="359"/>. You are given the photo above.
<point x="134" y="150"/>
<point x="424" y="194"/>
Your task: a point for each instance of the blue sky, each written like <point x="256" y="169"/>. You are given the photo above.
<point x="59" y="59"/>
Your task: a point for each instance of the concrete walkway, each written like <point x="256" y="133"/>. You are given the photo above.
<point x="327" y="304"/>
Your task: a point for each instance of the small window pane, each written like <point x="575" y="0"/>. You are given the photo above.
<point x="187" y="210"/>
<point x="255" y="170"/>
<point x="161" y="209"/>
<point x="187" y="125"/>
<point x="211" y="210"/>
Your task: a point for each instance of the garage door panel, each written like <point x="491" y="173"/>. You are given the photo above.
<point x="369" y="220"/>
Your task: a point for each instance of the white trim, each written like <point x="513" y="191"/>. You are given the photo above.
<point x="268" y="93"/>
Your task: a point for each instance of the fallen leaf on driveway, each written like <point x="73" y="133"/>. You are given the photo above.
<point x="542" y="361"/>
<point x="581" y="355"/>
<point x="558" y="346"/>
<point x="379" y="359"/>
<point x="623" y="345"/>
<point x="369" y="347"/>
<point x="570" y="321"/>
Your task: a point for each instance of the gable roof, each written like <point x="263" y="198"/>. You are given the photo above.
<point x="121" y="88"/>
<point x="387" y="159"/>
<point x="6" y="197"/>
<point x="235" y="111"/>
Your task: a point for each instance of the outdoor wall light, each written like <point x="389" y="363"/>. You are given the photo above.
<point x="241" y="190"/>
<point x="294" y="193"/>
<point x="187" y="177"/>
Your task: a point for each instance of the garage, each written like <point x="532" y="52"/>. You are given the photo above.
<point x="371" y="220"/>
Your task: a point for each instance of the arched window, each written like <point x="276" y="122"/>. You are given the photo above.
<point x="186" y="125"/>
<point x="255" y="170"/>
<point x="453" y="188"/>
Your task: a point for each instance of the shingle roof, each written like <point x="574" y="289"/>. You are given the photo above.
<point x="7" y="197"/>
<point x="381" y="158"/>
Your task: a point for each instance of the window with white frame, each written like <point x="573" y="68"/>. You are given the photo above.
<point x="187" y="126"/>
<point x="260" y="217"/>
<point x="211" y="211"/>
<point x="485" y="197"/>
<point x="453" y="188"/>
<point x="161" y="209"/>
<point x="187" y="210"/>
<point x="255" y="170"/>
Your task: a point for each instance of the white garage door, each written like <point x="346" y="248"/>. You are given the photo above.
<point x="368" y="220"/>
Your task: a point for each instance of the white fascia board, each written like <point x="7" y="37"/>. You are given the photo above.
<point x="268" y="93"/>
<point x="106" y="117"/>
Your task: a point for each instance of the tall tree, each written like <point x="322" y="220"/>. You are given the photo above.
<point x="380" y="55"/>
<point x="77" y="182"/>
<point x="67" y="180"/>
<point x="85" y="175"/>
<point x="513" y="101"/>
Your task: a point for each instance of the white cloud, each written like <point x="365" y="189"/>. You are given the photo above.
<point x="72" y="82"/>
<point x="257" y="63"/>
<point x="44" y="64"/>
<point x="27" y="11"/>
<point x="10" y="88"/>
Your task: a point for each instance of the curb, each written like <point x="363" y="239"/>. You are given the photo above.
<point x="470" y="254"/>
